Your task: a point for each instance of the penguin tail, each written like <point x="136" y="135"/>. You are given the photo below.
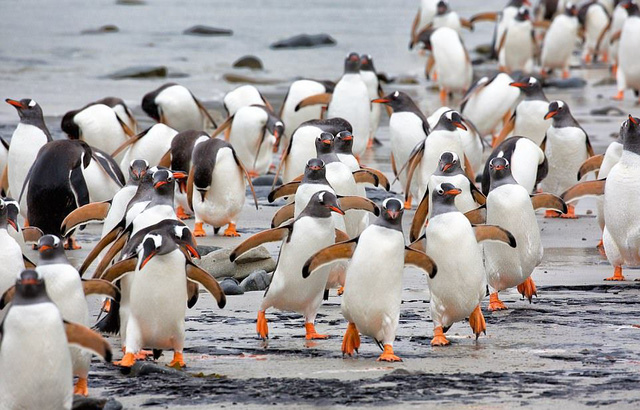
<point x="111" y="322"/>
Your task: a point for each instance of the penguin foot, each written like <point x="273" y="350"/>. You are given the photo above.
<point x="619" y="96"/>
<point x="106" y="305"/>
<point x="443" y="96"/>
<point x="477" y="323"/>
<point x="614" y="70"/>
<point x="571" y="213"/>
<point x="495" y="303"/>
<point x="311" y="332"/>
<point x="407" y="203"/>
<point x="81" y="387"/>
<point x="178" y="361"/>
<point x="181" y="213"/>
<point x="71" y="244"/>
<point x="198" y="230"/>
<point x="617" y="275"/>
<point x="350" y="340"/>
<point x="370" y="143"/>
<point x="600" y="248"/>
<point x="587" y="58"/>
<point x="127" y="361"/>
<point x="565" y="74"/>
<point x="388" y="356"/>
<point x="231" y="231"/>
<point x="143" y="354"/>
<point x="551" y="214"/>
<point x="439" y="338"/>
<point x="340" y="290"/>
<point x="253" y="174"/>
<point x="261" y="325"/>
<point x="528" y="289"/>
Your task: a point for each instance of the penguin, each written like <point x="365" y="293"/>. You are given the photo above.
<point x="122" y="111"/>
<point x="528" y="119"/>
<point x="595" y="20"/>
<point x="510" y="206"/>
<point x="449" y="170"/>
<point x="628" y="72"/>
<point x="424" y="17"/>
<point x="446" y="17"/>
<point x="254" y="130"/>
<point x="449" y="61"/>
<point x="22" y="235"/>
<point x="98" y="125"/>
<point x="489" y="101"/>
<point x="370" y="78"/>
<point x="30" y="135"/>
<point x="151" y="145"/>
<point x="547" y="10"/>
<point x="174" y="105"/>
<point x="373" y="289"/>
<point x="298" y="91"/>
<point x="343" y="147"/>
<point x="34" y="339"/>
<point x="216" y="186"/>
<point x="103" y="175"/>
<point x="408" y="127"/>
<point x="517" y="46"/>
<point x="567" y="147"/>
<point x="243" y="96"/>
<point x="563" y="32"/>
<point x="458" y="289"/>
<point x="503" y="20"/>
<point x="310" y="232"/>
<point x="618" y="17"/>
<point x="11" y="259"/>
<point x="156" y="319"/>
<point x="527" y="161"/>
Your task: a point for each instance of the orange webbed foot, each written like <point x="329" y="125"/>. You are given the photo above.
<point x="619" y="96"/>
<point x="388" y="356"/>
<point x="551" y="214"/>
<point x="81" y="387"/>
<point x="600" y="248"/>
<point x="477" y="323"/>
<point x="253" y="174"/>
<point x="127" y="361"/>
<point x="178" y="361"/>
<point x="261" y="325"/>
<point x="407" y="203"/>
<point x="495" y="303"/>
<point x="351" y="340"/>
<point x="571" y="213"/>
<point x="311" y="332"/>
<point x="106" y="305"/>
<point x="231" y="231"/>
<point x="181" y="214"/>
<point x="340" y="290"/>
<point x="528" y="289"/>
<point x="370" y="143"/>
<point x="439" y="338"/>
<point x="72" y="244"/>
<point x="565" y="74"/>
<point x="198" y="230"/>
<point x="617" y="275"/>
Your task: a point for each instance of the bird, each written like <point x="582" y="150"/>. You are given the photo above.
<point x="628" y="72"/>
<point x="423" y="18"/>
<point x="618" y="17"/>
<point x="370" y="78"/>
<point x="595" y="19"/>
<point x="122" y="111"/>
<point x="243" y="96"/>
<point x="517" y="46"/>
<point x="176" y="106"/>
<point x="151" y="145"/>
<point x="503" y="20"/>
<point x="11" y="258"/>
<point x="563" y="31"/>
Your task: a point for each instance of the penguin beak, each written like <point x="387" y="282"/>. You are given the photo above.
<point x="159" y="184"/>
<point x="393" y="214"/>
<point x="148" y="258"/>
<point x="381" y="101"/>
<point x="499" y="167"/>
<point x="180" y="175"/>
<point x="519" y="85"/>
<point x="44" y="248"/>
<point x="633" y="120"/>
<point x="445" y="167"/>
<point x="12" y="223"/>
<point x="315" y="168"/>
<point x="15" y="103"/>
<point x="29" y="282"/>
<point x="347" y="138"/>
<point x="460" y="125"/>
<point x="182" y="186"/>
<point x="193" y="251"/>
<point x="336" y="209"/>
<point x="526" y="3"/>
<point x="326" y="142"/>
<point x="454" y="192"/>
<point x="550" y="114"/>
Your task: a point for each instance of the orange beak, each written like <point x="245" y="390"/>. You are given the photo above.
<point x="15" y="103"/>
<point x="519" y="85"/>
<point x="159" y="184"/>
<point x="633" y="120"/>
<point x="460" y="125"/>
<point x="454" y="191"/>
<point x="44" y="248"/>
<point x="29" y="281"/>
<point x="550" y="114"/>
<point x="12" y="223"/>
<point x="393" y="214"/>
<point x="193" y="251"/>
<point x="446" y="167"/>
<point x="336" y="210"/>
<point x="381" y="100"/>
<point x="180" y="175"/>
<point x="499" y="167"/>
<point x="147" y="259"/>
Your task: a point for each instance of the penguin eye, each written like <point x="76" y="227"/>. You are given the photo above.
<point x="506" y="165"/>
<point x="440" y="191"/>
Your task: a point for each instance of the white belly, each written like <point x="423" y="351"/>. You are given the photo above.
<point x="530" y="120"/>
<point x="100" y="128"/>
<point x="487" y="108"/>
<point x="254" y="151"/>
<point x="298" y="91"/>
<point x="302" y="150"/>
<point x="371" y="80"/>
<point x="627" y="53"/>
<point x="351" y="101"/>
<point x="241" y="97"/>
<point x="11" y="263"/>
<point x="437" y="143"/>
<point x="341" y="179"/>
<point x="566" y="150"/>
<point x="101" y="187"/>
<point x="517" y="52"/>
<point x="464" y="202"/>
<point x="406" y="132"/>
<point x="152" y="216"/>
<point x="451" y="65"/>
<point x="118" y="207"/>
<point x="559" y="41"/>
<point x="150" y="147"/>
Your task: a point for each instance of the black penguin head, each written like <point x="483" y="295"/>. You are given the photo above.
<point x="315" y="170"/>
<point x="30" y="285"/>
<point x="443" y="198"/>
<point x="499" y="168"/>
<point x="528" y="85"/>
<point x="366" y="63"/>
<point x="154" y="243"/>
<point x="523" y="14"/>
<point x="137" y="169"/>
<point x="630" y="134"/>
<point x="324" y="143"/>
<point x="571" y="10"/>
<point x="450" y="120"/>
<point x="631" y="7"/>
<point x="343" y="142"/>
<point x="352" y="64"/>
<point x="392" y="211"/>
<point x="449" y="163"/>
<point x="442" y="7"/>
<point x="322" y="204"/>
<point x="397" y="100"/>
<point x="164" y="179"/>
<point x="50" y="247"/>
<point x="27" y="108"/>
<point x="69" y="126"/>
<point x="557" y="110"/>
<point x="13" y="210"/>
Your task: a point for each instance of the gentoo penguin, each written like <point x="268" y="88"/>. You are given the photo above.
<point x="446" y="17"/>
<point x="528" y="119"/>
<point x="372" y="295"/>
<point x="527" y="161"/>
<point x="424" y="159"/>
<point x="618" y="17"/>
<point x="122" y="111"/>
<point x="34" y="339"/>
<point x="98" y="125"/>
<point x="517" y="47"/>
<point x="343" y="147"/>
<point x="510" y="206"/>
<point x="151" y="145"/>
<point x="254" y="130"/>
<point x="11" y="259"/>
<point x="156" y="318"/>
<point x="503" y="20"/>
<point x="562" y="32"/>
<point x="174" y="105"/>
<point x="449" y="170"/>
<point x="22" y="235"/>
<point x="243" y="96"/>
<point x="424" y="17"/>
<point x="628" y="73"/>
<point x="567" y="147"/>
<point x="370" y="78"/>
<point x="460" y="285"/>
<point x="67" y="291"/>
<point x="408" y="127"/>
<point x="449" y="62"/>
<point x="311" y="231"/>
<point x="595" y="19"/>
<point x="30" y="135"/>
<point x="216" y="186"/>
<point x="489" y="101"/>
<point x="298" y="91"/>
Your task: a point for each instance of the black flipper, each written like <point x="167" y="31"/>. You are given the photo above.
<point x="79" y="187"/>
<point x="111" y="322"/>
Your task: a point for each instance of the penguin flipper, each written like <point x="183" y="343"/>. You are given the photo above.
<point x="548" y="201"/>
<point x="7" y="297"/>
<point x="506" y="130"/>
<point x="92" y="212"/>
<point x="108" y="164"/>
<point x="225" y="124"/>
<point x="420" y="217"/>
<point x="165" y="161"/>
<point x="204" y="111"/>
<point x="88" y="339"/>
<point x="468" y="169"/>
<point x="494" y="233"/>
<point x="248" y="177"/>
<point x="419" y="244"/>
<point x="591" y="164"/>
<point x="318" y="99"/>
<point x="28" y="263"/>
<point x="31" y="234"/>
<point x="330" y="254"/>
<point x="393" y="166"/>
<point x="382" y="179"/>
<point x="100" y="287"/>
<point x="270" y="235"/>
<point x="106" y="240"/>
<point x="584" y="189"/>
<point x="478" y="196"/>
<point x="477" y="216"/>
<point x="4" y="181"/>
<point x="414" y="160"/>
<point x="203" y="277"/>
<point x="120" y="269"/>
<point x="420" y="260"/>
<point x="111" y="254"/>
<point x="486" y="16"/>
<point x="288" y="189"/>
<point x="283" y="214"/>
<point x="358" y="202"/>
<point x="130" y="141"/>
<point x="190" y="179"/>
<point x="79" y="186"/>
<point x="192" y="294"/>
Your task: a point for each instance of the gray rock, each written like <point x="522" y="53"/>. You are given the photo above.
<point x="238" y="78"/>
<point x="131" y="2"/>
<point x="258" y="280"/>
<point x="205" y="250"/>
<point x="108" y="28"/>
<point x="305" y="41"/>
<point x="142" y="368"/>
<point x="91" y="403"/>
<point x="217" y="263"/>
<point x="231" y="287"/>
<point x="201" y="30"/>
<point x="265" y="180"/>
<point x="609" y="110"/>
<point x="251" y="62"/>
<point x="573" y="82"/>
<point x="140" y="72"/>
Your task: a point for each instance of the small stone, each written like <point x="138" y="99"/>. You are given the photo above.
<point x="108" y="28"/>
<point x="608" y="110"/>
<point x="230" y="286"/>
<point x="131" y="2"/>
<point x="573" y="82"/>
<point x="405" y="79"/>
<point x="265" y="180"/>
<point x="484" y="49"/>
<point x="205" y="250"/>
<point x="237" y="78"/>
<point x="251" y="62"/>
<point x="258" y="280"/>
<point x="97" y="403"/>
<point x="140" y="72"/>
<point x="305" y="41"/>
<point x="201" y="30"/>
<point x="218" y="265"/>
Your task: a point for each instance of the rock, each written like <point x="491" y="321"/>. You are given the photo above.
<point x="258" y="280"/>
<point x="407" y="79"/>
<point x="251" y="62"/>
<point x="97" y="403"/>
<point x="142" y="368"/>
<point x="131" y="2"/>
<point x="606" y="81"/>
<point x="205" y="250"/>
<point x="201" y="30"/>
<point x="140" y="72"/>
<point x="217" y="263"/>
<point x="231" y="287"/>
<point x="108" y="28"/>
<point x="608" y="110"/>
<point x="484" y="49"/>
<point x="305" y="41"/>
<point x="265" y="180"/>
<point x="237" y="78"/>
<point x="573" y="82"/>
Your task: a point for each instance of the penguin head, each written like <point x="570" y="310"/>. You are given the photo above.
<point x="366" y="63"/>
<point x="518" y="3"/>
<point x="450" y="120"/>
<point x="557" y="109"/>
<point x="523" y="14"/>
<point x="528" y="85"/>
<point x="30" y="284"/>
<point x="630" y="134"/>
<point x="13" y="210"/>
<point x="352" y="63"/>
<point x="27" y="108"/>
<point x="324" y="143"/>
<point x="449" y="162"/>
<point x="343" y="142"/>
<point x="445" y="194"/>
<point x="322" y="203"/>
<point x="395" y="100"/>
<point x="5" y="218"/>
<point x="50" y="247"/>
<point x="442" y="8"/>
<point x="499" y="167"/>
<point x="164" y="179"/>
<point x="315" y="169"/>
<point x="392" y="211"/>
<point x="69" y="125"/>
<point x="137" y="169"/>
<point x="631" y="7"/>
<point x="153" y="244"/>
<point x="571" y="10"/>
